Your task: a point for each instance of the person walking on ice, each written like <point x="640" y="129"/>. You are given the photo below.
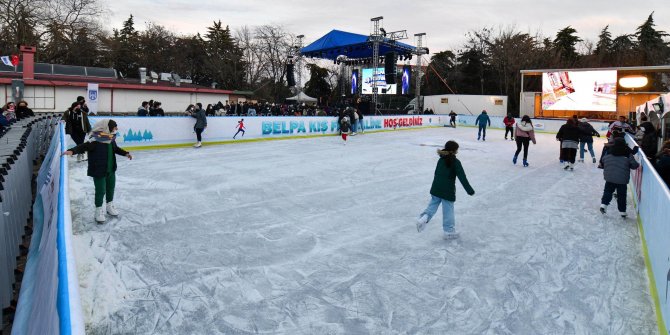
<point x="524" y="134"/>
<point x="617" y="164"/>
<point x="102" y="164"/>
<point x="452" y="119"/>
<point x="240" y="128"/>
<point x="482" y="120"/>
<point x="443" y="190"/>
<point x="509" y="126"/>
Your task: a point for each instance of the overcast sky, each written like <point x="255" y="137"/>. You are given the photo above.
<point x="445" y="22"/>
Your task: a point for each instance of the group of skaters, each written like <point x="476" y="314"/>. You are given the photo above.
<point x="617" y="161"/>
<point x="350" y="120"/>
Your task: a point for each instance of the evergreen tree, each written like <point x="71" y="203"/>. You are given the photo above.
<point x="317" y="86"/>
<point x="125" y="49"/>
<point x="565" y="45"/>
<point x="225" y="62"/>
<point x="650" y="45"/>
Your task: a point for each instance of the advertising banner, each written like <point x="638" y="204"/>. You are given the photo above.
<point x="150" y="131"/>
<point x="92" y="95"/>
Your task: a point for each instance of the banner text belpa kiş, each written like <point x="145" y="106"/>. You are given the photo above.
<point x="295" y="127"/>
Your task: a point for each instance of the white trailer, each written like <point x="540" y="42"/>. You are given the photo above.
<point x="463" y="104"/>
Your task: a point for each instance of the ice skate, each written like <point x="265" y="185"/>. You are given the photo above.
<point x="594" y="160"/>
<point x="514" y="159"/>
<point x="603" y="208"/>
<point x="451" y="235"/>
<point x="111" y="210"/>
<point x="566" y="167"/>
<point x="525" y="163"/>
<point x="572" y="167"/>
<point x="581" y="161"/>
<point x="623" y="214"/>
<point x="421" y="223"/>
<point x="197" y="145"/>
<point x="100" y="215"/>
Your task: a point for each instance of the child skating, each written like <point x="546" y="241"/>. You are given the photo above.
<point x="443" y="190"/>
<point x="617" y="164"/>
<point x="102" y="164"/>
<point x="240" y="128"/>
<point x="345" y="126"/>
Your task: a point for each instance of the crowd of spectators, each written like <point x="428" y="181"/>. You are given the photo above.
<point x="11" y="113"/>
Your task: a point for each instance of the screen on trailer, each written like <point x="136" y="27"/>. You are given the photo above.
<point x="405" y="80"/>
<point x="579" y="91"/>
<point x="354" y="81"/>
<point x="382" y="86"/>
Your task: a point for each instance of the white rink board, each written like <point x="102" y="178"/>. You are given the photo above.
<point x="149" y="131"/>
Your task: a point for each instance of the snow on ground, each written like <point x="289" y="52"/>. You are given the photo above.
<point x="313" y="237"/>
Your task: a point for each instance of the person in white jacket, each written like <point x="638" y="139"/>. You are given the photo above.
<point x="524" y="133"/>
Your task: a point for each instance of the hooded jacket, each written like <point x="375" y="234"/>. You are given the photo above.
<point x="618" y="162"/>
<point x="444" y="182"/>
<point x="99" y="152"/>
<point x="482" y="119"/>
<point x="525" y="129"/>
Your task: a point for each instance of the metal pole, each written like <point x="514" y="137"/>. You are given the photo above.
<point x="419" y="72"/>
<point x="298" y="63"/>
<point x="376" y="36"/>
<point x="522" y="99"/>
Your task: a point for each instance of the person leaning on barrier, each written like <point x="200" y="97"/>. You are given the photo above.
<point x="77" y="125"/>
<point x="22" y="110"/>
<point x="662" y="163"/>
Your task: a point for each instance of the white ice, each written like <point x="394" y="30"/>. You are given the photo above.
<point x="313" y="237"/>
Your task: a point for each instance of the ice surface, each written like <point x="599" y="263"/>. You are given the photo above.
<point x="313" y="237"/>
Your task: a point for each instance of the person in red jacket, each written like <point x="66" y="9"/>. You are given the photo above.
<point x="509" y="126"/>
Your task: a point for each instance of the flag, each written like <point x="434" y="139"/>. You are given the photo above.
<point x="15" y="60"/>
<point x="6" y="60"/>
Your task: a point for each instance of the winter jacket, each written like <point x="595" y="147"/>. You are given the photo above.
<point x="482" y="119"/>
<point x="525" y="129"/>
<point x="663" y="166"/>
<point x="142" y="112"/>
<point x="508" y="121"/>
<point x="345" y="124"/>
<point x="76" y="122"/>
<point x="617" y="168"/>
<point x="98" y="156"/>
<point x="23" y="112"/>
<point x="568" y="133"/>
<point x="586" y="132"/>
<point x="649" y="141"/>
<point x="444" y="182"/>
<point x="200" y="119"/>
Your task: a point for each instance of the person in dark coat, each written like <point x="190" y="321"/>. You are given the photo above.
<point x="452" y="119"/>
<point x="22" y="110"/>
<point x="568" y="135"/>
<point x="482" y="120"/>
<point x="77" y="125"/>
<point x="616" y="170"/>
<point x="102" y="164"/>
<point x="586" y="133"/>
<point x="144" y="109"/>
<point x="648" y="139"/>
<point x="443" y="190"/>
<point x="200" y="123"/>
<point x="662" y="163"/>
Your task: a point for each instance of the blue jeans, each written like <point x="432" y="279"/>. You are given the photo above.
<point x="621" y="190"/>
<point x="360" y="125"/>
<point x="479" y="134"/>
<point x="448" y="219"/>
<point x="354" y="126"/>
<point x="581" y="149"/>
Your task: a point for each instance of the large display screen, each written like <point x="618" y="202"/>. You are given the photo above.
<point x="579" y="91"/>
<point x="382" y="86"/>
<point x="405" y="80"/>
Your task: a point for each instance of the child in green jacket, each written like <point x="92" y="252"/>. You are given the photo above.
<point x="443" y="190"/>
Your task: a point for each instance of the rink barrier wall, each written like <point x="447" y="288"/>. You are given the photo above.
<point x="540" y="125"/>
<point x="651" y="198"/>
<point x="164" y="132"/>
<point x="49" y="301"/>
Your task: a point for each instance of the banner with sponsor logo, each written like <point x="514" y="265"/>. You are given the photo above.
<point x="92" y="98"/>
<point x="150" y="131"/>
<point x="547" y="125"/>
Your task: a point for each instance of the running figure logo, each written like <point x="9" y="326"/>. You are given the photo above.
<point x="240" y="128"/>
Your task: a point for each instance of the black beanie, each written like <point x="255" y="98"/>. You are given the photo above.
<point x="112" y="125"/>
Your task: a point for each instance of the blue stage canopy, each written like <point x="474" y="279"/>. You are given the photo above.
<point x="354" y="46"/>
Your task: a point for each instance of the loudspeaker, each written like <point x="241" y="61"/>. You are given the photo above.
<point x="290" y="77"/>
<point x="390" y="67"/>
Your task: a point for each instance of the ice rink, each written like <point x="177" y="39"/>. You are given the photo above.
<point x="314" y="237"/>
